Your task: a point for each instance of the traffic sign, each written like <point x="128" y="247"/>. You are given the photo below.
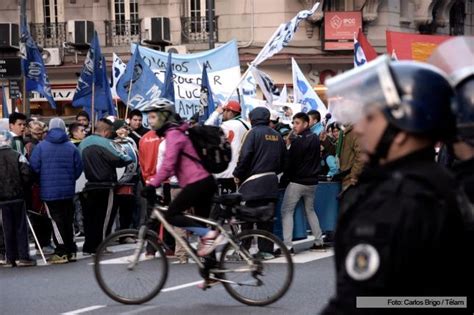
<point x="10" y="67"/>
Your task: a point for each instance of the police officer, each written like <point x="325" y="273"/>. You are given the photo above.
<point x="461" y="73"/>
<point x="400" y="229"/>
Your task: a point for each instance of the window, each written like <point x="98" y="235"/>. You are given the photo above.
<point x="197" y="11"/>
<point x="51" y="18"/>
<point x="125" y="15"/>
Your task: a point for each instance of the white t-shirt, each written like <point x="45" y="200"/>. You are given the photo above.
<point x="234" y="130"/>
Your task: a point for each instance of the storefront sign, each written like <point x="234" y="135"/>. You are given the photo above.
<point x="58" y="95"/>
<point x="339" y="29"/>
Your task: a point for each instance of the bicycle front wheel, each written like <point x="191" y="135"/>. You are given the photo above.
<point x="264" y="281"/>
<point x="128" y="270"/>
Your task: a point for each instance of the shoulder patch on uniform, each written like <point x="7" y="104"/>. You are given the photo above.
<point x="362" y="262"/>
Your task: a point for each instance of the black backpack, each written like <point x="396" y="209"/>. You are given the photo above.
<point x="212" y="147"/>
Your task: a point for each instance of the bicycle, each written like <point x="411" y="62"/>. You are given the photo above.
<point x="245" y="275"/>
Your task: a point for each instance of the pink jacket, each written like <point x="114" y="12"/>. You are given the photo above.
<point x="187" y="170"/>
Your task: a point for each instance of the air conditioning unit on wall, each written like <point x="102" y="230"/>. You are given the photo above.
<point x="51" y="56"/>
<point x="80" y="32"/>
<point x="156" y="30"/>
<point x="179" y="49"/>
<point x="9" y="35"/>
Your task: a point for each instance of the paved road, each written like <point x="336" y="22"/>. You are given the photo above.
<point x="72" y="289"/>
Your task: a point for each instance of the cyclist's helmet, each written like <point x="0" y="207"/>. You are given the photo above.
<point x="160" y="105"/>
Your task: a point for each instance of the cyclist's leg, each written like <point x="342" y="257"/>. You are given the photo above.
<point x="197" y="195"/>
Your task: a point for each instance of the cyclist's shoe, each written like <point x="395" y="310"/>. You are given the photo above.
<point x="208" y="283"/>
<point x="209" y="242"/>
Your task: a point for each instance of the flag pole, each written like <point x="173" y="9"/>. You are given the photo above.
<point x="25" y="104"/>
<point x="128" y="98"/>
<point x="93" y="100"/>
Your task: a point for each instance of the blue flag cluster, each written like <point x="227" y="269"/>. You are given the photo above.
<point x="94" y="72"/>
<point x="33" y="66"/>
<point x="168" y="92"/>
<point x="206" y="100"/>
<point x="138" y="86"/>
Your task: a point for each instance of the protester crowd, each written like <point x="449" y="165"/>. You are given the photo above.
<point x="44" y="161"/>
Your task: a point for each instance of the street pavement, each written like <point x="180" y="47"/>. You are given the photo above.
<point x="72" y="289"/>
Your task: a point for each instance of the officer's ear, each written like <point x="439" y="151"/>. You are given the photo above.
<point x="401" y="138"/>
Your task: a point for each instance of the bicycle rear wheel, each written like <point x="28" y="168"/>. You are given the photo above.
<point x="124" y="281"/>
<point x="268" y="281"/>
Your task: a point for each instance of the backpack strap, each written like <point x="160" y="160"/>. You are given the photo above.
<point x="245" y="125"/>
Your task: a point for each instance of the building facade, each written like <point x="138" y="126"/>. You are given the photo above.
<point x="251" y="22"/>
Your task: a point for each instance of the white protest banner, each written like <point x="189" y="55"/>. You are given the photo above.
<point x="223" y="68"/>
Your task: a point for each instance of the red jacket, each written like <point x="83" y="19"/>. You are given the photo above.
<point x="148" y="154"/>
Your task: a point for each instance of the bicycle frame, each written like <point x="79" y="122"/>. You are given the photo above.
<point x="156" y="214"/>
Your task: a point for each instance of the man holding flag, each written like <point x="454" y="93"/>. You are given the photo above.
<point x="93" y="89"/>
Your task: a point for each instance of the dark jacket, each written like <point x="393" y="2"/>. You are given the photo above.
<point x="303" y="160"/>
<point x="136" y="135"/>
<point x="58" y="163"/>
<point x="262" y="151"/>
<point x="101" y="157"/>
<point x="14" y="174"/>
<point x="392" y="230"/>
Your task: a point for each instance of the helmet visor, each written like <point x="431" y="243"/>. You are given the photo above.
<point x="455" y="57"/>
<point x="355" y="93"/>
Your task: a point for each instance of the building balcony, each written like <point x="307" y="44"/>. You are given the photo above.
<point x="122" y="33"/>
<point x="48" y="35"/>
<point x="196" y="30"/>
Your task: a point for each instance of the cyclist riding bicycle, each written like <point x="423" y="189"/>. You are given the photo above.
<point x="198" y="185"/>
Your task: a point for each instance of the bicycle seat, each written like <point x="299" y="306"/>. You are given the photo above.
<point x="229" y="199"/>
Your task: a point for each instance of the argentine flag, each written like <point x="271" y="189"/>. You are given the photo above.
<point x="304" y="93"/>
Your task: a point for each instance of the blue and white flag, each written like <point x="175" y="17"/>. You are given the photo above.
<point x="118" y="69"/>
<point x="207" y="99"/>
<point x="283" y="95"/>
<point x="268" y="87"/>
<point x="33" y="66"/>
<point x="168" y="92"/>
<point x="94" y="72"/>
<point x="223" y="70"/>
<point x="5" y="113"/>
<point x="283" y="35"/>
<point x="248" y="93"/>
<point x="140" y="82"/>
<point x="304" y="93"/>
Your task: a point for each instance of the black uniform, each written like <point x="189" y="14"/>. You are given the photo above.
<point x="400" y="233"/>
